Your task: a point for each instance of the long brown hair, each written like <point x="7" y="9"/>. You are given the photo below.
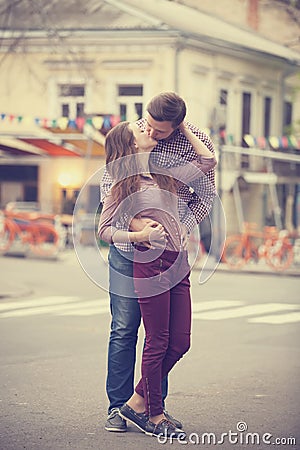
<point x="125" y="172"/>
<point x="119" y="142"/>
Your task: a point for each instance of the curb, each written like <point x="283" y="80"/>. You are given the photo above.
<point x="262" y="270"/>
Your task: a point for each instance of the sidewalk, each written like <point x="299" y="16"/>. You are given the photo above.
<point x="260" y="268"/>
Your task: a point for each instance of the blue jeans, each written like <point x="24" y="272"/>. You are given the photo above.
<point x="125" y="322"/>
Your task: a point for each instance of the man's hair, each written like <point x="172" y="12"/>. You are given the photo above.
<point x="167" y="107"/>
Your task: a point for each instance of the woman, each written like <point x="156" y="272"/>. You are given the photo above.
<point x="161" y="270"/>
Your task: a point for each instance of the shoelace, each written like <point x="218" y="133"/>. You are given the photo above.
<point x="113" y="413"/>
<point x="166" y="423"/>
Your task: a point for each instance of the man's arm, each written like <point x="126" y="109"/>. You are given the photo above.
<point x="196" y="201"/>
<point x="200" y="194"/>
<point x="105" y="185"/>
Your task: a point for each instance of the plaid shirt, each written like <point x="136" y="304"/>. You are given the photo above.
<point x="195" y="198"/>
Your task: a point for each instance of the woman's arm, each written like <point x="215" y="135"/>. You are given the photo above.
<point x="151" y="232"/>
<point x="108" y="232"/>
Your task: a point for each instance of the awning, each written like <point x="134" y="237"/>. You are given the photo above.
<point x="53" y="142"/>
<point x="15" y="147"/>
<point x="88" y="143"/>
<point x="50" y="148"/>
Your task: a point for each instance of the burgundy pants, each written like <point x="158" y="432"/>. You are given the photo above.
<point x="166" y="317"/>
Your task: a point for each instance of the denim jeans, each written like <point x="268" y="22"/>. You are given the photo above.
<point x="125" y="322"/>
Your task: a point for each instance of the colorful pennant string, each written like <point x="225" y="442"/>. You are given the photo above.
<point x="107" y="121"/>
<point x="110" y="120"/>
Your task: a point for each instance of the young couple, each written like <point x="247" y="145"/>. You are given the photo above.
<point x="158" y="183"/>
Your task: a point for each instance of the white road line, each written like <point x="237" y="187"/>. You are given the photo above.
<point x="277" y="319"/>
<point x="100" y="309"/>
<point x="209" y="310"/>
<point x="250" y="310"/>
<point x="215" y="304"/>
<point x="54" y="308"/>
<point x="37" y="302"/>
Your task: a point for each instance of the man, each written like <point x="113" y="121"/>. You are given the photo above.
<point x="164" y="122"/>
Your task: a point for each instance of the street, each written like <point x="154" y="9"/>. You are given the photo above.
<point x="240" y="377"/>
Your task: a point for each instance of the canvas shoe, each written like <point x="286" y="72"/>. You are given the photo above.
<point x="137" y="419"/>
<point x="164" y="429"/>
<point x="115" y="422"/>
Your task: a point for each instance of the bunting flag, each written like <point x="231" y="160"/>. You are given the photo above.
<point x="262" y="142"/>
<point x="106" y="121"/>
<point x="250" y="141"/>
<point x="272" y="142"/>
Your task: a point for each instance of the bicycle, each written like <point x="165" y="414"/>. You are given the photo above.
<point x="251" y="246"/>
<point x="41" y="238"/>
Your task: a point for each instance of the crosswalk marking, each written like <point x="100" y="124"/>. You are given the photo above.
<point x="249" y="310"/>
<point x="84" y="311"/>
<point x="71" y="305"/>
<point x="215" y="304"/>
<point x="36" y="302"/>
<point x="265" y="313"/>
<point x="280" y="319"/>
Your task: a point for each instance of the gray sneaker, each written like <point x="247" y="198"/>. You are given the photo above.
<point x="115" y="422"/>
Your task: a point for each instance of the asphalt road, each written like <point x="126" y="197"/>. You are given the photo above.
<point x="241" y="372"/>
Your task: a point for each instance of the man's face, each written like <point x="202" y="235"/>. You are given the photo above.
<point x="158" y="130"/>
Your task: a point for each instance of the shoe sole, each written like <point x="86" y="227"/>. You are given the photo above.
<point x="118" y="430"/>
<point x="135" y="424"/>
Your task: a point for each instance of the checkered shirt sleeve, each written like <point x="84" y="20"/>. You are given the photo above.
<point x="196" y="198"/>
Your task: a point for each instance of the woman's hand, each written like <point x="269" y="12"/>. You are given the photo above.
<point x="153" y="232"/>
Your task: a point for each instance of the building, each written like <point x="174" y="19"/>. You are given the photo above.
<point x="69" y="71"/>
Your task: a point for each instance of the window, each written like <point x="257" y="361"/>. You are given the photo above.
<point x="65" y="110"/>
<point x="246" y="114"/>
<point x="246" y="120"/>
<point x="71" y="90"/>
<point x="131" y="90"/>
<point x="222" y="110"/>
<point x="71" y="100"/>
<point x="267" y="116"/>
<point x="130" y="100"/>
<point x="223" y="97"/>
<point x="287" y="114"/>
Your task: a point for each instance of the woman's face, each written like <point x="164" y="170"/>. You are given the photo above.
<point x="143" y="141"/>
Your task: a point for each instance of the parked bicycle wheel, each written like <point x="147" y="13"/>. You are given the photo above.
<point x="6" y="234"/>
<point x="237" y="252"/>
<point x="43" y="239"/>
<point x="279" y="254"/>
